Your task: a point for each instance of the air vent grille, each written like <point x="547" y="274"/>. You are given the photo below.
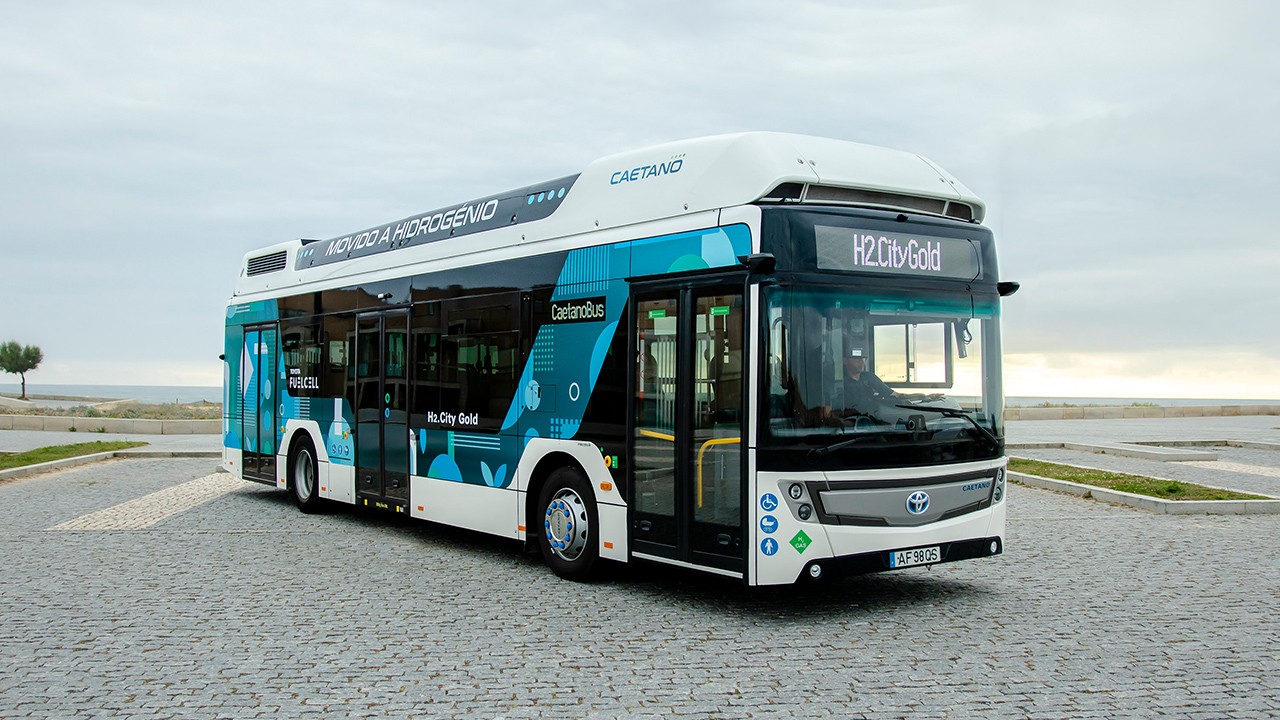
<point x="853" y="196"/>
<point x="831" y="195"/>
<point x="960" y="211"/>
<point x="263" y="264"/>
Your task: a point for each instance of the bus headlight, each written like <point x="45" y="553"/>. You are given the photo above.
<point x="998" y="493"/>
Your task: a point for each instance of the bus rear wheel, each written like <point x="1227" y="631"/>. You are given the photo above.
<point x="569" y="525"/>
<point x="303" y="475"/>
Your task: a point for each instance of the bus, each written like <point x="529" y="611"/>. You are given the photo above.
<point x="766" y="356"/>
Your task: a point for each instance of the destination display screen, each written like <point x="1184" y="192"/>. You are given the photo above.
<point x="850" y="249"/>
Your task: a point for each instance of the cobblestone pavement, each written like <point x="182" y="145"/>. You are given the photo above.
<point x="231" y="604"/>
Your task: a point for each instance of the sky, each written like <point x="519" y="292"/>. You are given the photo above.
<point x="1127" y="153"/>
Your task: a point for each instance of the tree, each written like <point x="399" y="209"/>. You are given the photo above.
<point x="20" y="360"/>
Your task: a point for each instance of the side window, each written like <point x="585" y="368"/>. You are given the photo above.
<point x="338" y="340"/>
<point x="302" y="349"/>
<point x="913" y="354"/>
<point x="481" y="350"/>
<point x="299" y="306"/>
<point x="427" y="373"/>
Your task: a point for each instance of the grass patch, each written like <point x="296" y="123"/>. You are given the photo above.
<point x="61" y="452"/>
<point x="1137" y="484"/>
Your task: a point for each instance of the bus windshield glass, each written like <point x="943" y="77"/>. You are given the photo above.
<point x="849" y="367"/>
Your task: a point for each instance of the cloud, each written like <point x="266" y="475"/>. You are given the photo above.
<point x="1226" y="375"/>
<point x="1126" y="151"/>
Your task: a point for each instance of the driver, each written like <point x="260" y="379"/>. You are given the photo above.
<point x="863" y="391"/>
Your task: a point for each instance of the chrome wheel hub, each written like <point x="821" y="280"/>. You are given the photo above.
<point x="566" y="525"/>
<point x="306" y="475"/>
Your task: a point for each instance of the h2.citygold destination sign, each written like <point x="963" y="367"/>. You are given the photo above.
<point x="854" y="250"/>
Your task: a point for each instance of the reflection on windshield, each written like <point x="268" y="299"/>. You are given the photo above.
<point x="844" y="365"/>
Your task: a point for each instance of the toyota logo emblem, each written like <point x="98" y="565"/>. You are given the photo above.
<point x="917" y="502"/>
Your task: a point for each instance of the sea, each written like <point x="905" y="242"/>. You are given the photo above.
<point x="190" y="394"/>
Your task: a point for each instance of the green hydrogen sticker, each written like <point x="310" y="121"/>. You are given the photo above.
<point x="720" y="310"/>
<point x="657" y="314"/>
<point x="801" y="542"/>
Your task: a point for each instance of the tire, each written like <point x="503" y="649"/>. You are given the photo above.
<point x="303" y="477"/>
<point x="570" y="523"/>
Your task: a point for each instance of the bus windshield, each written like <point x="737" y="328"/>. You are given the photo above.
<point x="848" y="365"/>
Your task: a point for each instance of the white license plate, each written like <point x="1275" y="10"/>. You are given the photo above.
<point x="916" y="556"/>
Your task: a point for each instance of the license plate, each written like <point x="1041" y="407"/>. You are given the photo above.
<point x="916" y="556"/>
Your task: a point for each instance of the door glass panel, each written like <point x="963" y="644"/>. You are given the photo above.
<point x="267" y="402"/>
<point x="259" y="418"/>
<point x="395" y="398"/>
<point x="717" y="424"/>
<point x="368" y="405"/>
<point x="655" y="434"/>
<point x="250" y="377"/>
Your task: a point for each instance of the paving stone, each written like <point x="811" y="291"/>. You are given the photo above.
<point x="239" y="606"/>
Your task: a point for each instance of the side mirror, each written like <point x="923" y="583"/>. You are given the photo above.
<point x="1007" y="288"/>
<point x="759" y="263"/>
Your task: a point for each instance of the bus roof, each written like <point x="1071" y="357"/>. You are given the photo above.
<point x="663" y="181"/>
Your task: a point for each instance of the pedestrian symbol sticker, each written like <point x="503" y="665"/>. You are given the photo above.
<point x="769" y="524"/>
<point x="769" y="502"/>
<point x="769" y="546"/>
<point x="801" y="542"/>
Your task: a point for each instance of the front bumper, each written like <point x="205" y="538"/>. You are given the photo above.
<point x="878" y="561"/>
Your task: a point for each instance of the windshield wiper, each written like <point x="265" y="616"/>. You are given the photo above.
<point x="985" y="433"/>
<point x="827" y="449"/>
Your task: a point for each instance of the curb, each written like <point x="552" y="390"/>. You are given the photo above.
<point x="1154" y="505"/>
<point x="141" y="453"/>
<point x="71" y="462"/>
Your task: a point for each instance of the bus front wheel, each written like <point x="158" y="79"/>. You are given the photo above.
<point x="569" y="525"/>
<point x="303" y="474"/>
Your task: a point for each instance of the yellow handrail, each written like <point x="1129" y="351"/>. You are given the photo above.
<point x="702" y="450"/>
<point x="658" y="435"/>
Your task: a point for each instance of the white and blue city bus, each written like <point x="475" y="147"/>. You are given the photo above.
<point x="765" y="356"/>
